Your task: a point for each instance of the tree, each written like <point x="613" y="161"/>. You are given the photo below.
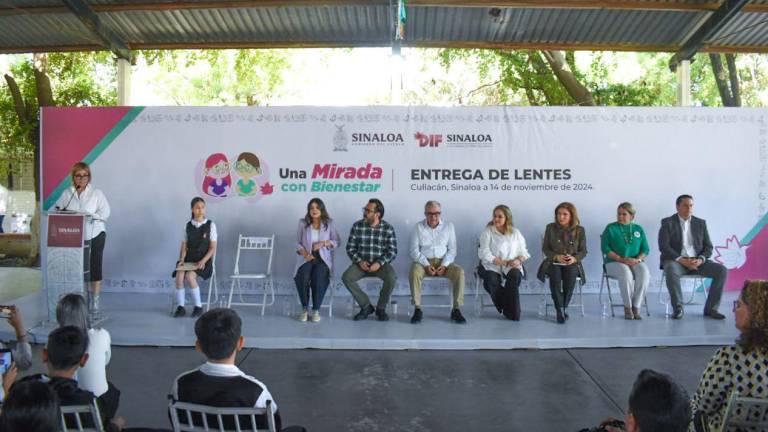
<point x="727" y="81"/>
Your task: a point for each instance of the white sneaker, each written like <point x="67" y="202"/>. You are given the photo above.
<point x="315" y="316"/>
<point x="302" y="316"/>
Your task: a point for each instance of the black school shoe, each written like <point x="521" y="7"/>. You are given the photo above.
<point x="180" y="312"/>
<point x="197" y="311"/>
<point x="381" y="315"/>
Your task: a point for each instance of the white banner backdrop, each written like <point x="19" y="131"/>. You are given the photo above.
<point x="469" y="159"/>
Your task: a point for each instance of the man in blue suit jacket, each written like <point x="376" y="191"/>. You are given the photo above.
<point x="685" y="250"/>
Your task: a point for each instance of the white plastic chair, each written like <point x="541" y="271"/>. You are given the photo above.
<point x="213" y="287"/>
<point x="187" y="417"/>
<point x="81" y="415"/>
<point x="606" y="281"/>
<point x="745" y="413"/>
<point x="245" y="243"/>
<point x="441" y="280"/>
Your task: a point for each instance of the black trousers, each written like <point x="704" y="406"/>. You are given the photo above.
<point x="562" y="280"/>
<point x="506" y="298"/>
<point x="97" y="252"/>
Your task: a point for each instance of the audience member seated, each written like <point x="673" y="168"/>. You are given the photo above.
<point x="743" y="367"/>
<point x="73" y="311"/>
<point x="219" y="382"/>
<point x="31" y="406"/>
<point x="656" y="404"/>
<point x="65" y="353"/>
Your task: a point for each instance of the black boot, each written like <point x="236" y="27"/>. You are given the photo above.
<point x="560" y="316"/>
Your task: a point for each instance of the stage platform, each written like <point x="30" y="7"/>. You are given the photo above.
<point x="144" y="319"/>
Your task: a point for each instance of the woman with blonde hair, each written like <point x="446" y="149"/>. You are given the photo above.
<point x="741" y="368"/>
<point x="624" y="249"/>
<point x="83" y="197"/>
<point x="564" y="247"/>
<point x="502" y="252"/>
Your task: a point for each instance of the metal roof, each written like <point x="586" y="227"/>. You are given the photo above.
<point x="637" y="25"/>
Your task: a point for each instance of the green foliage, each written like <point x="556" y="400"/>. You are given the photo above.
<point x="77" y="79"/>
<point x="219" y="77"/>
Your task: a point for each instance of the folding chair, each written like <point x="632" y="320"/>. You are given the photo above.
<point x="90" y="422"/>
<point x="365" y="282"/>
<point x="329" y="294"/>
<point x="745" y="413"/>
<point x="606" y="280"/>
<point x="698" y="280"/>
<point x="213" y="287"/>
<point x="253" y="244"/>
<point x="480" y="294"/>
<point x="441" y="280"/>
<point x="187" y="417"/>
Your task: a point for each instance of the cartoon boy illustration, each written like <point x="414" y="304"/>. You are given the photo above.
<point x="247" y="167"/>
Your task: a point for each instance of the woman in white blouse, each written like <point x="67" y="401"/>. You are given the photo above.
<point x="502" y="252"/>
<point x="72" y="311"/>
<point x="83" y="197"/>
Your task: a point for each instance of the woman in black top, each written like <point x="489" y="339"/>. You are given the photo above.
<point x="198" y="249"/>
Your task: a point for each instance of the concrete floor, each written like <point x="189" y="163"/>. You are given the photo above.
<point x="517" y="390"/>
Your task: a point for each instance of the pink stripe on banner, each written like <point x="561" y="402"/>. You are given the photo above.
<point x="69" y="134"/>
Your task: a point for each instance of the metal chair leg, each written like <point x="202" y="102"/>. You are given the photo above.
<point x="610" y="296"/>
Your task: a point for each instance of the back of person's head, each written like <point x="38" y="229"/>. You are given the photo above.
<point x="72" y="311"/>
<point x="218" y="332"/>
<point x="658" y="404"/>
<point x="31" y="406"/>
<point x="66" y="347"/>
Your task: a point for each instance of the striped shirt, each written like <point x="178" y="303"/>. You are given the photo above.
<point x="372" y="244"/>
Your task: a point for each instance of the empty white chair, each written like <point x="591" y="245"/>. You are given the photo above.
<point x="258" y="244"/>
<point x="606" y="281"/>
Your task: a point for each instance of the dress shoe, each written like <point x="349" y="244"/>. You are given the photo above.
<point x="714" y="314"/>
<point x="364" y="312"/>
<point x="565" y="314"/>
<point x="416" y="318"/>
<point x="628" y="315"/>
<point x="636" y="313"/>
<point x="560" y="317"/>
<point x="677" y="314"/>
<point x="180" y="312"/>
<point x="381" y="315"/>
<point x="197" y="311"/>
<point x="457" y="317"/>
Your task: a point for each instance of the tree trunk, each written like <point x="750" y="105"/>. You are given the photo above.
<point x="543" y="72"/>
<point x="563" y="72"/>
<point x="733" y="77"/>
<point x="722" y="80"/>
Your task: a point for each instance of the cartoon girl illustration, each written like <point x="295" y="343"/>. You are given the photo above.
<point x="247" y="167"/>
<point x="217" y="181"/>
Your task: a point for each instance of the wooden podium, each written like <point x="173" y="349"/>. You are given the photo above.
<point x="67" y="257"/>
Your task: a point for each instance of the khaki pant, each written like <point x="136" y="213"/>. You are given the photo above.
<point x="453" y="272"/>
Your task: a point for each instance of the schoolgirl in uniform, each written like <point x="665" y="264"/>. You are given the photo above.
<point x="198" y="248"/>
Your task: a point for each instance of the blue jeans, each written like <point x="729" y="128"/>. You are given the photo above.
<point x="312" y="276"/>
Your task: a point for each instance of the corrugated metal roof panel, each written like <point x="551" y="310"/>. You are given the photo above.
<point x="745" y="29"/>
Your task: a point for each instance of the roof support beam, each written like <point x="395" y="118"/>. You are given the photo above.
<point x="719" y="18"/>
<point x="92" y="21"/>
<point x="163" y="5"/>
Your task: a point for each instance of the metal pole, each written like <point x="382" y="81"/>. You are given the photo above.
<point x="123" y="82"/>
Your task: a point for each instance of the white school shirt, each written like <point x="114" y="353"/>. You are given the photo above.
<point x="504" y="246"/>
<point x="93" y="376"/>
<point x="196" y="224"/>
<point x="688" y="249"/>
<point x="91" y="201"/>
<point x="438" y="242"/>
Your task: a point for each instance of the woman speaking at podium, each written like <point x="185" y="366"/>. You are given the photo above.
<point x="83" y="197"/>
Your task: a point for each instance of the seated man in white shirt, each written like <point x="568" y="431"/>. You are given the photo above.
<point x="433" y="250"/>
<point x="218" y="382"/>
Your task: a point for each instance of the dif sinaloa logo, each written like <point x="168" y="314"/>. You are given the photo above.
<point x="453" y="140"/>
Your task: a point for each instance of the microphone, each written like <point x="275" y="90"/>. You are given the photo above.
<point x="77" y="189"/>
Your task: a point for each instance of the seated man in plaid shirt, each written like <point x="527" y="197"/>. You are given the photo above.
<point x="372" y="246"/>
